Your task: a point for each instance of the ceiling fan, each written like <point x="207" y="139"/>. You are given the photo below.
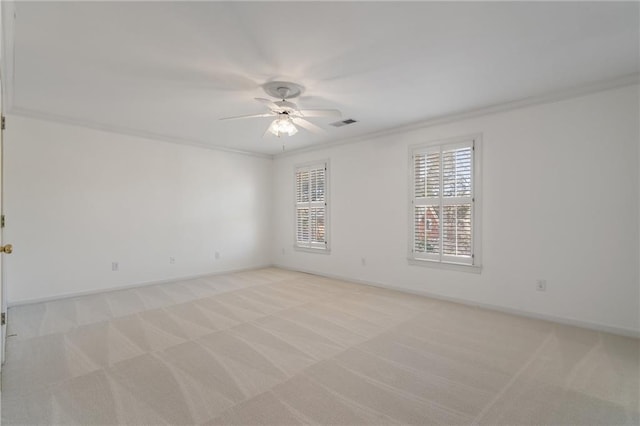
<point x="286" y="114"/>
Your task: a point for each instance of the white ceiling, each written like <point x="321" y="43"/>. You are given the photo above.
<point x="172" y="69"/>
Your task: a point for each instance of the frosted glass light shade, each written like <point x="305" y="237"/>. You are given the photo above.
<point x="283" y="126"/>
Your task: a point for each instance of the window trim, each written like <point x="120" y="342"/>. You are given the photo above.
<point x="476" y="236"/>
<point x="327" y="216"/>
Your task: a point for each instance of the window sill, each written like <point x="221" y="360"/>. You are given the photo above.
<point x="312" y="250"/>
<point x="475" y="269"/>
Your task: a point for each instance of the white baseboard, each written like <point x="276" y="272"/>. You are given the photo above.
<point x="552" y="318"/>
<point x="134" y="285"/>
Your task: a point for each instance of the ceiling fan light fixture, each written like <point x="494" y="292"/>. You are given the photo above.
<point x="287" y="117"/>
<point x="283" y="126"/>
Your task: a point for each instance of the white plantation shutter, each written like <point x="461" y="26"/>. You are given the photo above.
<point x="311" y="206"/>
<point x="443" y="203"/>
<point x="426" y="224"/>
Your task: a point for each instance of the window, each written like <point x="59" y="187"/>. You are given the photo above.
<point x="444" y="216"/>
<point x="311" y="207"/>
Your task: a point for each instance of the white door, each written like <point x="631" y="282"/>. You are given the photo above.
<point x="3" y="248"/>
<point x="7" y="18"/>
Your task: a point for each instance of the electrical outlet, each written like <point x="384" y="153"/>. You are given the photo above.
<point x="363" y="261"/>
<point x="217" y="255"/>
<point x="283" y="251"/>
<point x="114" y="266"/>
<point x="541" y="285"/>
<point x="172" y="260"/>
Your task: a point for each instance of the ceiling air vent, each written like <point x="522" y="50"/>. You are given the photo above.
<point x="344" y="122"/>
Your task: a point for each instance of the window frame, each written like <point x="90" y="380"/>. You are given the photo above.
<point x="327" y="221"/>
<point x="440" y="260"/>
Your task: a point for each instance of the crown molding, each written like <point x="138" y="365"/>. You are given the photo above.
<point x="558" y="95"/>
<point x="7" y="64"/>
<point x="38" y="115"/>
<point x="7" y="67"/>
<point x="7" y="70"/>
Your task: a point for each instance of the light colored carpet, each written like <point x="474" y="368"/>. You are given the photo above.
<point x="278" y="347"/>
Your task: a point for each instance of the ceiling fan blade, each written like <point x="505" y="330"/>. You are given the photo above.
<point x="286" y="105"/>
<point x="320" y="113"/>
<point x="269" y="103"/>
<point x="314" y="99"/>
<point x="307" y="125"/>
<point x="266" y="132"/>
<point x="237" y="117"/>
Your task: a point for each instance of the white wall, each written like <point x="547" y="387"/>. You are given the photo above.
<point x="77" y="199"/>
<point x="560" y="202"/>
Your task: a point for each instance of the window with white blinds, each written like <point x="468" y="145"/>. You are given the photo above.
<point x="443" y="203"/>
<point x="311" y="206"/>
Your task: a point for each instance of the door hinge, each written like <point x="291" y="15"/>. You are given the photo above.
<point x="3" y="318"/>
<point x="2" y="222"/>
<point x="3" y="123"/>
